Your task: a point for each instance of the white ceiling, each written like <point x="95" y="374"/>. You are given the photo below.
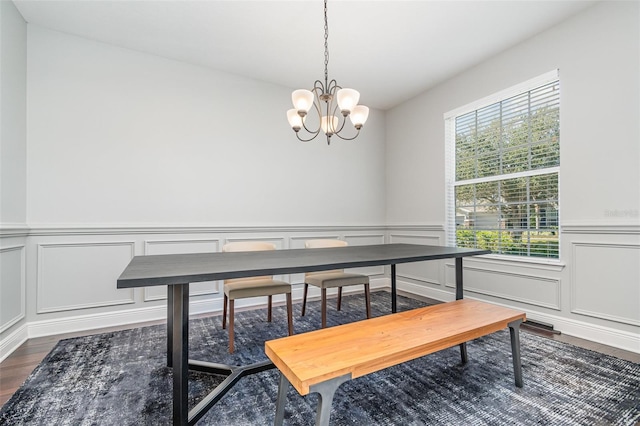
<point x="387" y="50"/>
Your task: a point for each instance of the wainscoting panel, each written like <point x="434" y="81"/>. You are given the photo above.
<point x="426" y="272"/>
<point x="431" y="240"/>
<point x="279" y="242"/>
<point x="82" y="275"/>
<point x="531" y="289"/>
<point x="359" y="240"/>
<point x="606" y="281"/>
<point x="12" y="286"/>
<point x="182" y="246"/>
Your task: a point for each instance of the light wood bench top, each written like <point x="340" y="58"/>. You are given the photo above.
<point x="363" y="347"/>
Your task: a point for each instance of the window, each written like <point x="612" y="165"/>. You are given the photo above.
<point x="502" y="171"/>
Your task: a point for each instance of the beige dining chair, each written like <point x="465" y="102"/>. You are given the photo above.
<point x="240" y="288"/>
<point x="336" y="278"/>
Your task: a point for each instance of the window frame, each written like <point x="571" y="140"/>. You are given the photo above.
<point x="450" y="165"/>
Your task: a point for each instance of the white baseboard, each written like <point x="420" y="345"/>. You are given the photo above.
<point x="596" y="333"/>
<point x="422" y="290"/>
<point x="572" y="327"/>
<point x="13" y="341"/>
<point x="113" y="319"/>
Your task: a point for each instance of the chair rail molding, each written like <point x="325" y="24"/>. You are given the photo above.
<point x="599" y="228"/>
<point x="126" y="229"/>
<point x="10" y="230"/>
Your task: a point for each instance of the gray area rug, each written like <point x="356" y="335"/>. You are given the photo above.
<point x="120" y="378"/>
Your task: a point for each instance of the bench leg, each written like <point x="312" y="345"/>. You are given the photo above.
<point x="514" y="329"/>
<point x="463" y="353"/>
<point x="325" y="391"/>
<point x="282" y="400"/>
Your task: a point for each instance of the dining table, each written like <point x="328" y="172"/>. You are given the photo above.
<point x="177" y="271"/>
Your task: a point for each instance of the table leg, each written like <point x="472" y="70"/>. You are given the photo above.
<point x="459" y="287"/>
<point x="180" y="352"/>
<point x="169" y="326"/>
<point x="460" y="295"/>
<point x="394" y="307"/>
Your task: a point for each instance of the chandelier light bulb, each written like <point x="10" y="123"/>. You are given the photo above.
<point x="329" y="124"/>
<point x="359" y="116"/>
<point x="302" y="101"/>
<point x="347" y="100"/>
<point x="294" y="119"/>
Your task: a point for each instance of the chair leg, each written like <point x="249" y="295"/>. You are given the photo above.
<point x="269" y="308"/>
<point x="290" y="313"/>
<point x="324" y="308"/>
<point x="339" y="298"/>
<point x="231" y="326"/>
<point x="224" y="312"/>
<point x="367" y="299"/>
<point x="304" y="299"/>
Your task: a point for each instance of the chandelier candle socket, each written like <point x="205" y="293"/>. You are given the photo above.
<point x="332" y="103"/>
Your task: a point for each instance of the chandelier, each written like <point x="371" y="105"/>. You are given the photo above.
<point x="332" y="103"/>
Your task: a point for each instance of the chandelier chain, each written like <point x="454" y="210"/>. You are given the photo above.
<point x="326" y="45"/>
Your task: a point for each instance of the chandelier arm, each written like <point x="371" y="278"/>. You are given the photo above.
<point x="316" y="104"/>
<point x="342" y="118"/>
<point x="318" y="85"/>
<point x="332" y="87"/>
<point x="312" y="132"/>
<point x="348" y="139"/>
<point x="307" y="140"/>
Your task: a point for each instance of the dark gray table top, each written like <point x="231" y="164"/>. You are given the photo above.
<point x="171" y="269"/>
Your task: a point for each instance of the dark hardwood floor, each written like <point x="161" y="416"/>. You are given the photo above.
<point x="16" y="367"/>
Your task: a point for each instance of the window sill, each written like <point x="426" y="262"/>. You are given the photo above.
<point x="527" y="262"/>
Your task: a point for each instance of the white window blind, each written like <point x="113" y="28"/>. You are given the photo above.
<point x="503" y="162"/>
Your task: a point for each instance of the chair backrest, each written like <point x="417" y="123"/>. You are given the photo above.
<point x="324" y="244"/>
<point x="247" y="246"/>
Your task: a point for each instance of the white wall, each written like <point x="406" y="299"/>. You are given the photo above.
<point x="121" y="137"/>
<point x="594" y="291"/>
<point x="13" y="190"/>
<point x="13" y="62"/>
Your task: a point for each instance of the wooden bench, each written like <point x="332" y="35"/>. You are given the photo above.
<point x="320" y="361"/>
